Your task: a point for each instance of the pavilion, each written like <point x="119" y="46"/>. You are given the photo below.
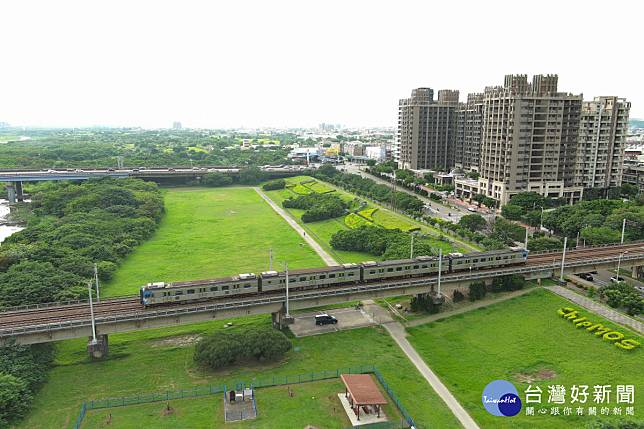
<point x="362" y="392"/>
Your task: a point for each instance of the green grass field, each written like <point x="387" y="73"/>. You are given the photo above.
<point x="519" y="339"/>
<point x="211" y="232"/>
<point x="315" y="403"/>
<point x="161" y="359"/>
<point x="322" y="231"/>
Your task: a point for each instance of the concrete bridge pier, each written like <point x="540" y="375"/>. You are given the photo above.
<point x="98" y="350"/>
<point x="280" y="320"/>
<point x="638" y="272"/>
<point x="14" y="191"/>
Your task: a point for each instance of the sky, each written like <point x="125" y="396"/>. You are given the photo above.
<point x="224" y="64"/>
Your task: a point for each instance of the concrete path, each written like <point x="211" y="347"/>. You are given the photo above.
<point x="595" y="307"/>
<point x="465" y="309"/>
<point x="398" y="333"/>
<point x="280" y="211"/>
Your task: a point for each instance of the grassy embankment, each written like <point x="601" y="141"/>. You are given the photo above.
<point x="524" y="340"/>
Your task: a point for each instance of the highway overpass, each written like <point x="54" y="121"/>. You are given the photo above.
<point x="15" y="178"/>
<point x="60" y="321"/>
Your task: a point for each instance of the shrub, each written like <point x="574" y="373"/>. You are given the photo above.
<point x="274" y="184"/>
<point x="15" y="398"/>
<point x="225" y="348"/>
<point x="477" y="291"/>
<point x="216" y="179"/>
<point x="458" y="296"/>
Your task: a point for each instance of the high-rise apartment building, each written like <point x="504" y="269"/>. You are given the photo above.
<point x="529" y="139"/>
<point x="468" y="133"/>
<point x="602" y="139"/>
<point x="427" y="130"/>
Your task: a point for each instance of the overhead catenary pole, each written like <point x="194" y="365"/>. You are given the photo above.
<point x="563" y="260"/>
<point x="541" y="226"/>
<point x="98" y="295"/>
<point x="411" y="253"/>
<point x="440" y="268"/>
<point x="525" y="245"/>
<point x="91" y="312"/>
<point x="270" y="259"/>
<point x="619" y="262"/>
<point x="623" y="229"/>
<point x="286" y="270"/>
<point x="577" y="245"/>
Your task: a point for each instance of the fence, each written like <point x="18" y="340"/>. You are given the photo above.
<point x="198" y="391"/>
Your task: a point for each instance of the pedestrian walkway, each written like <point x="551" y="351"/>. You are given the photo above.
<point x="280" y="211"/>
<point x="398" y="333"/>
<point x="598" y="308"/>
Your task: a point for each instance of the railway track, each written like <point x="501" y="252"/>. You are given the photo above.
<point x="131" y="305"/>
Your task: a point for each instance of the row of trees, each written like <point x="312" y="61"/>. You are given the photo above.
<point x="370" y="189"/>
<point x="478" y="290"/>
<point x="224" y="348"/>
<point x="317" y="206"/>
<point x="623" y="295"/>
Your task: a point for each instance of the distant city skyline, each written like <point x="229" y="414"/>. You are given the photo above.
<point x="289" y="64"/>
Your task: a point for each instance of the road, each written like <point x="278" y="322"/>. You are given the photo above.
<point x="438" y="210"/>
<point x="398" y="333"/>
<point x="328" y="259"/>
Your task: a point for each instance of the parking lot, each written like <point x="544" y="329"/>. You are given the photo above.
<point x="348" y="318"/>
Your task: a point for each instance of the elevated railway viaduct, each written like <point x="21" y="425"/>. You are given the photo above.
<point x="60" y="321"/>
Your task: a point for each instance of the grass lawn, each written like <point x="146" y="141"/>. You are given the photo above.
<point x="520" y="339"/>
<point x="161" y="359"/>
<point x="322" y="231"/>
<point x="211" y="232"/>
<point x="315" y="403"/>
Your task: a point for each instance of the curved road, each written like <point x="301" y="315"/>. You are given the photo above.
<point x="318" y="249"/>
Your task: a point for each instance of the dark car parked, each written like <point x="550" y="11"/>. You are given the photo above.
<point x="325" y="319"/>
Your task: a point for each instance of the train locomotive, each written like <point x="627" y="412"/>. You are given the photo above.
<point x="160" y="293"/>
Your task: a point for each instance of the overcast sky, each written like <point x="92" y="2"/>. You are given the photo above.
<point x="297" y="63"/>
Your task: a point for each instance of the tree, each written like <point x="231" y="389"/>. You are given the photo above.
<point x="601" y="235"/>
<point x="477" y="291"/>
<point x="274" y="184"/>
<point x="473" y="222"/>
<point x="216" y="179"/>
<point x="15" y="398"/>
<point x="544" y="243"/>
<point x="251" y="176"/>
<point x="528" y="200"/>
<point x="511" y="211"/>
<point x="371" y="162"/>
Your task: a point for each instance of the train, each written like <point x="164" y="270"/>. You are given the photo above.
<point x="160" y="293"/>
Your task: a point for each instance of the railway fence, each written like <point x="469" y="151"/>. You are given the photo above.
<point x="199" y="391"/>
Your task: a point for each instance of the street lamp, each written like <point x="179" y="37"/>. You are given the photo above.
<point x="619" y="261"/>
<point x="286" y="272"/>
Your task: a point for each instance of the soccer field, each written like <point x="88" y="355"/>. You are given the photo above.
<point x="211" y="232"/>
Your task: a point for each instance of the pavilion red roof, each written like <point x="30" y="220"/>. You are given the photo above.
<point x="363" y="389"/>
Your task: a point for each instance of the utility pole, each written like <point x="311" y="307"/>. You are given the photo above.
<point x="286" y="270"/>
<point x="270" y="259"/>
<point x="563" y="260"/>
<point x="525" y="245"/>
<point x="91" y="312"/>
<point x="623" y="229"/>
<point x="577" y="245"/>
<point x="619" y="262"/>
<point x="440" y="268"/>
<point x="541" y="226"/>
<point x="411" y="253"/>
<point x="98" y="295"/>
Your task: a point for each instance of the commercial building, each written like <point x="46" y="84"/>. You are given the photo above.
<point x="427" y="130"/>
<point x="634" y="174"/>
<point x="602" y="140"/>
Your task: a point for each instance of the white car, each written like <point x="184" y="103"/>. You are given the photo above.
<point x="616" y="279"/>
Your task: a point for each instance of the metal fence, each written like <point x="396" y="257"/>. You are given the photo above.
<point x="198" y="391"/>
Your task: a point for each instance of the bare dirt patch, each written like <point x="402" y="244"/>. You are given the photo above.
<point x="539" y="375"/>
<point x="178" y="341"/>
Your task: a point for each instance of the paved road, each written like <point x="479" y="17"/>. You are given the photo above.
<point x="398" y="333"/>
<point x="439" y="210"/>
<point x="318" y="249"/>
<point x="595" y="307"/>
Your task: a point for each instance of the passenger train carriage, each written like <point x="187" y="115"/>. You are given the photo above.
<point x="314" y="278"/>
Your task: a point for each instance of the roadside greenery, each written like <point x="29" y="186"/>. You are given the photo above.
<point x="274" y="184"/>
<point x="358" y="185"/>
<point x="623" y="295"/>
